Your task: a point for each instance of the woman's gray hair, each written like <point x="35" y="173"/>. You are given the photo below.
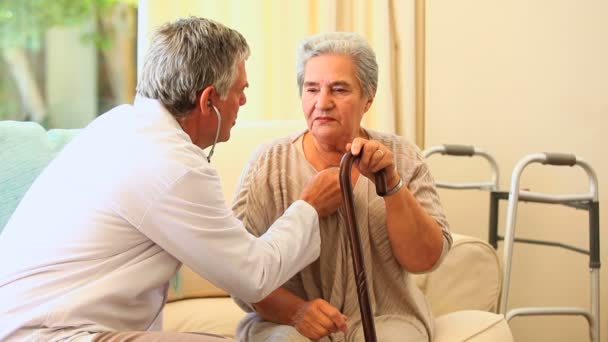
<point x="340" y="43"/>
<point x="185" y="57"/>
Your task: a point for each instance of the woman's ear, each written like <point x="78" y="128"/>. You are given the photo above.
<point x="368" y="104"/>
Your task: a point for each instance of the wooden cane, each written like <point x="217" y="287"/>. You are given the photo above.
<point x="367" y="318"/>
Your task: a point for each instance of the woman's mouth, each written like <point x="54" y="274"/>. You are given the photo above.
<point x="324" y="119"/>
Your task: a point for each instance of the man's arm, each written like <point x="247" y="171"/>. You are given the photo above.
<point x="192" y="223"/>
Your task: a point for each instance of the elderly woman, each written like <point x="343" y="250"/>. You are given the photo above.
<point x="403" y="232"/>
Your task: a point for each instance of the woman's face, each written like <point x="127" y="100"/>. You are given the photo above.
<point x="333" y="100"/>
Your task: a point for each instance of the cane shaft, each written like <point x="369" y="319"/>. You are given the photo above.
<point x="367" y="317"/>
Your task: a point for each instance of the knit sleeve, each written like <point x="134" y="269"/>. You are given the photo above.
<point x="250" y="201"/>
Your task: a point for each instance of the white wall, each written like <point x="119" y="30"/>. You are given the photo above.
<point x="518" y="77"/>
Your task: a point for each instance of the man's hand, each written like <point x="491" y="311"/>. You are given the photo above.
<point x="317" y="318"/>
<point x="323" y="192"/>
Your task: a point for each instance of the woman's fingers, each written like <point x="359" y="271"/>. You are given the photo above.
<point x="382" y="159"/>
<point x="373" y="156"/>
<point x="356" y="146"/>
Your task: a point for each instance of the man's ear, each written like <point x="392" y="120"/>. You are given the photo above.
<point x="204" y="101"/>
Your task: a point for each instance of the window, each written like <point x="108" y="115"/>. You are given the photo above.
<point x="63" y="62"/>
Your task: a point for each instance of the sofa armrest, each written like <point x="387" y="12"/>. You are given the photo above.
<point x="218" y="316"/>
<point x="468" y="279"/>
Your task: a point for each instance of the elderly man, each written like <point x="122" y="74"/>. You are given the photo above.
<point x="96" y="239"/>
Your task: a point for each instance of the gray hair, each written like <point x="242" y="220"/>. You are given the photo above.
<point x="185" y="57"/>
<point x="341" y="43"/>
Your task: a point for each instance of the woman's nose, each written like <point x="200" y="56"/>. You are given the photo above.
<point x="324" y="100"/>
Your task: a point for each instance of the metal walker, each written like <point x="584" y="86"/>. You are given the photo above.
<point x="584" y="201"/>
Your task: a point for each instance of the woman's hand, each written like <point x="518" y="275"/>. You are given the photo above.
<point x="317" y="318"/>
<point x="373" y="157"/>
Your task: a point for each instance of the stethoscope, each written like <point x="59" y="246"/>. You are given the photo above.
<point x="217" y="131"/>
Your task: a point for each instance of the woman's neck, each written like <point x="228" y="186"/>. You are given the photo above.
<point x="324" y="155"/>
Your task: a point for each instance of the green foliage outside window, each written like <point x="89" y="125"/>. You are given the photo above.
<point x="23" y="24"/>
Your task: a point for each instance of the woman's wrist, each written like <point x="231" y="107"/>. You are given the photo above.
<point x="395" y="188"/>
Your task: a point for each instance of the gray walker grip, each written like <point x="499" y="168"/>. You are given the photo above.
<point x="459" y="150"/>
<point x="559" y="159"/>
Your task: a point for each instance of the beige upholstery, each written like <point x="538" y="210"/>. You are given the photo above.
<point x="468" y="325"/>
<point x="468" y="279"/>
<point x="217" y="315"/>
<point x="474" y="326"/>
<point x="193" y="286"/>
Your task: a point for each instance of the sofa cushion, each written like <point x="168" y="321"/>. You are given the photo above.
<point x="472" y="326"/>
<point x="454" y="286"/>
<point x="210" y="315"/>
<point x="191" y="285"/>
<point x="221" y="316"/>
<point x="25" y="150"/>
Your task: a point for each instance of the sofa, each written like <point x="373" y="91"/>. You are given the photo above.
<point x="463" y="292"/>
